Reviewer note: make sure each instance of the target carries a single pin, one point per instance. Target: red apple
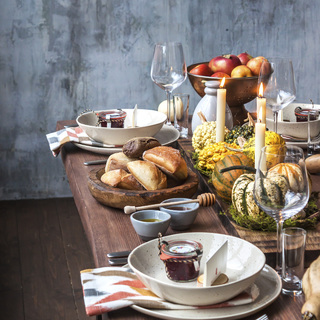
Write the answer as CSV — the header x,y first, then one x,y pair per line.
x,y
241,72
201,70
220,75
225,63
244,57
255,64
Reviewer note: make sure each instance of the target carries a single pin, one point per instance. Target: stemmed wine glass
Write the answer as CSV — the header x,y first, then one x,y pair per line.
x,y
279,195
279,88
169,71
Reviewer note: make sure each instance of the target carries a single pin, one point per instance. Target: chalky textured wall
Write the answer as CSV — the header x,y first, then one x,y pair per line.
x,y
60,57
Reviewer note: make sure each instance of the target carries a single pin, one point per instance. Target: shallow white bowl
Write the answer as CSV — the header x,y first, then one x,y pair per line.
x,y
148,123
244,264
288,125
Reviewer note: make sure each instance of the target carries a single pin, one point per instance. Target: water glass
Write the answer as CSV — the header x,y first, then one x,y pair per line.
x,y
181,105
293,249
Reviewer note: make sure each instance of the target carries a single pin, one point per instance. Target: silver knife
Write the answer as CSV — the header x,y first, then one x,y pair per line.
x,y
89,163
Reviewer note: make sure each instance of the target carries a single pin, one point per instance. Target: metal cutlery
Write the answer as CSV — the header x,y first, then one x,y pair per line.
x,y
118,258
93,162
263,317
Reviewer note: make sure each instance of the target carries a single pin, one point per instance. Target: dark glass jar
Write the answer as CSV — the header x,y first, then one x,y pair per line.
x,y
302,114
181,259
111,118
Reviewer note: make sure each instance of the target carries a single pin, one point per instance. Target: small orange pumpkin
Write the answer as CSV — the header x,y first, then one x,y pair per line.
x,y
223,182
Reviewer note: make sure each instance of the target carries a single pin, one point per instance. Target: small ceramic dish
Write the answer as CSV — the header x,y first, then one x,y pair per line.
x,y
244,264
147,124
148,223
182,215
288,125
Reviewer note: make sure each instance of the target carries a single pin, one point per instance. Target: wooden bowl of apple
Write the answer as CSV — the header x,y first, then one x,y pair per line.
x,y
241,73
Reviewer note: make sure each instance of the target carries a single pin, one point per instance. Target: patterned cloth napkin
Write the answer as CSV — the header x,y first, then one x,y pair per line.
x,y
111,288
74,134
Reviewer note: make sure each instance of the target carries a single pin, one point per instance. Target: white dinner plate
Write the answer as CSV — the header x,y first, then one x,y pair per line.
x,y
268,282
165,136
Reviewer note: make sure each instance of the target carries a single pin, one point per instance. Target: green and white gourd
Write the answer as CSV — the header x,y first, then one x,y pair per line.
x,y
273,189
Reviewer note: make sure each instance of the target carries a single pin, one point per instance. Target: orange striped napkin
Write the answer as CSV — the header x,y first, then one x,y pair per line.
x,y
111,288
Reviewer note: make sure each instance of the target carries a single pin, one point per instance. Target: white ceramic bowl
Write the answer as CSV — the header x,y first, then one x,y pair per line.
x,y
244,264
148,123
288,125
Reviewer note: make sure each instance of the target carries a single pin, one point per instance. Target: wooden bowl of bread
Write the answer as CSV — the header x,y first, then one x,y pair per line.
x,y
144,173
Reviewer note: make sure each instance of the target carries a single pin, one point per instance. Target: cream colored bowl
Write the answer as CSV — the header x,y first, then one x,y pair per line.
x,y
148,123
244,264
288,125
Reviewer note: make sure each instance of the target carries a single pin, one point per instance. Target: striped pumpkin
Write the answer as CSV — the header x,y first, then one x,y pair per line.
x,y
223,182
293,173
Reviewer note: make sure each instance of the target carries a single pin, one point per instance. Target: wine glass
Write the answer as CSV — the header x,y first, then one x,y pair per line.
x,y
169,71
279,194
279,88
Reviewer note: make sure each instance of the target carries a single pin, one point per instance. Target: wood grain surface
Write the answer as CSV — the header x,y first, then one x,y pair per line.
x,y
119,198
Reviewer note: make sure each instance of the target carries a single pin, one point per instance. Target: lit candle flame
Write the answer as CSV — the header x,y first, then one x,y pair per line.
x,y
261,90
222,82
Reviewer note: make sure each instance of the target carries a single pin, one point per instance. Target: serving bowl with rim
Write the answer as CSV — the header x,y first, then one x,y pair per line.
x,y
239,91
288,125
148,123
244,264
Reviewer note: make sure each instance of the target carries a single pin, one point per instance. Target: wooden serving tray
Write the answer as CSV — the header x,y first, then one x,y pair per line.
x,y
119,198
266,241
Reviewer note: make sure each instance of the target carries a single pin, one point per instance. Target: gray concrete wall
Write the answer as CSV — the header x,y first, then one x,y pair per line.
x,y
59,57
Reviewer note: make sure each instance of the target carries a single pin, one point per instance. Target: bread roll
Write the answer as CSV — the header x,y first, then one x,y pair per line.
x,y
117,161
135,147
148,175
121,179
129,182
168,160
113,178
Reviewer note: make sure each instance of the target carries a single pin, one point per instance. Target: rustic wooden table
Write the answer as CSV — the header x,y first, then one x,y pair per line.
x,y
108,229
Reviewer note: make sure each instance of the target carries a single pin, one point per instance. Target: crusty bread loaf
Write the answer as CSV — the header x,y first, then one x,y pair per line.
x,y
117,161
121,179
135,147
148,175
168,160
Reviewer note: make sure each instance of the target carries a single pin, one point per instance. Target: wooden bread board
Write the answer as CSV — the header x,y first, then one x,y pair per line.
x,y
266,241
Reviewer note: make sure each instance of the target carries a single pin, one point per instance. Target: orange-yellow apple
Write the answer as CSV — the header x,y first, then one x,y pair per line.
x,y
220,75
244,57
201,70
255,64
225,63
241,72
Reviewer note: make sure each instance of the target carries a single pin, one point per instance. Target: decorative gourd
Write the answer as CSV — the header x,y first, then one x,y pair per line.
x,y
274,188
223,182
311,289
272,138
242,192
293,173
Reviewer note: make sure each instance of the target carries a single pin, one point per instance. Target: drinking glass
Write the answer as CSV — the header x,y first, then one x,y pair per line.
x,y
168,71
277,76
278,196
